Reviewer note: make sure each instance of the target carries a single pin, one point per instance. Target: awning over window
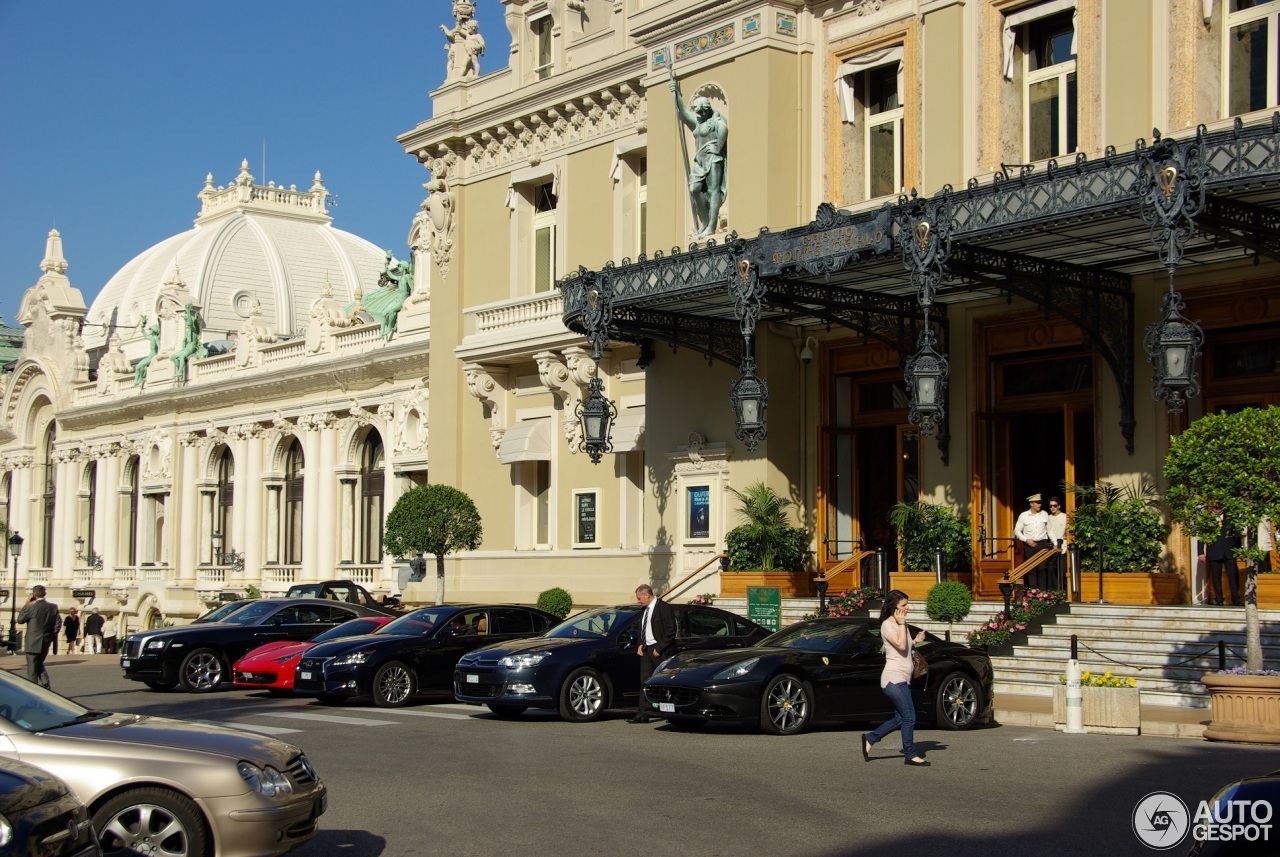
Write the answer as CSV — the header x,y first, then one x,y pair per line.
x,y
527,440
851,68
628,430
1034,13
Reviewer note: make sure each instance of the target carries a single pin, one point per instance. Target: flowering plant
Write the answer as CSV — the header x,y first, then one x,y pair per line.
x,y
704,600
1088,679
850,600
1000,628
1243,671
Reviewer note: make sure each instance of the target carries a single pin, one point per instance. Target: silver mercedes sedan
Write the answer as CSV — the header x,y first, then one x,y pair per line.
x,y
165,787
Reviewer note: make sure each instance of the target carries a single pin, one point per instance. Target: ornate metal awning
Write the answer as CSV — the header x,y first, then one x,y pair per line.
x,y
1067,238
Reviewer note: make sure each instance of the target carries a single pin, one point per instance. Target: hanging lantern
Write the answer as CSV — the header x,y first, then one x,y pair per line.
x,y
926,377
596,414
1173,348
750,398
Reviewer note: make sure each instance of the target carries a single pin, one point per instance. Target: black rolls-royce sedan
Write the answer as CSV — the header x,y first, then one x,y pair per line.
x,y
199,656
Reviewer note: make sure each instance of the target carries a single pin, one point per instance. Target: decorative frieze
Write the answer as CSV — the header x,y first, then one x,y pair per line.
x,y
491,391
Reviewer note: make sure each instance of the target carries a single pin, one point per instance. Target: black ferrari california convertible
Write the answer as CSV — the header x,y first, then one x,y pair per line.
x,y
819,670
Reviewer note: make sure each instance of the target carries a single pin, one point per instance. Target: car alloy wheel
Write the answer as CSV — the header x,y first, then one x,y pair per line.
x,y
786,706
202,671
959,702
582,696
151,821
392,685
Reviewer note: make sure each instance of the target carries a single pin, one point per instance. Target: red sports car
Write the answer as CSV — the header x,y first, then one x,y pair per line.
x,y
272,666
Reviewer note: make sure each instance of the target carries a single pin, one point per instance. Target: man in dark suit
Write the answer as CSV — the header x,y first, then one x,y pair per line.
x,y
657,640
1219,558
41,619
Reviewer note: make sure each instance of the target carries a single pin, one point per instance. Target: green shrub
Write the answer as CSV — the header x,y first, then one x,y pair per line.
x,y
765,540
1125,521
556,601
1000,629
922,528
949,601
251,591
849,602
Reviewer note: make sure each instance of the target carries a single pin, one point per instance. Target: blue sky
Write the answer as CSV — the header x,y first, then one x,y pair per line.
x,y
113,111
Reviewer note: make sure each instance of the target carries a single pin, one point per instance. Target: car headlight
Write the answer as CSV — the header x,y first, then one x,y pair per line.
x,y
154,644
6,831
288,659
523,662
737,670
351,659
267,781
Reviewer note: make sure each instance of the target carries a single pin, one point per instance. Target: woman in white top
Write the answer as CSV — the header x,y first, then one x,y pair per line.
x,y
895,679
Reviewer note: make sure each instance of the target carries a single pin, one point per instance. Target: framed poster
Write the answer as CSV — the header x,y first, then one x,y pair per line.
x,y
699,505
585,504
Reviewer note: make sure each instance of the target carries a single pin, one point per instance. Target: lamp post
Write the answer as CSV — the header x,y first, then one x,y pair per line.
x,y
1173,347
926,377
216,538
596,414
79,543
15,550
750,398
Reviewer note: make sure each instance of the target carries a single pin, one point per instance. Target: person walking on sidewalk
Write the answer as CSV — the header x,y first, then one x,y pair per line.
x,y
71,629
657,639
93,633
895,679
41,619
109,634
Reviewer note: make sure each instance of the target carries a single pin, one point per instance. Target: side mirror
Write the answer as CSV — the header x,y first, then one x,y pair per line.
x,y
448,631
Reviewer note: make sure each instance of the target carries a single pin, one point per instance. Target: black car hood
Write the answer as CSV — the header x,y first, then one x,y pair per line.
x,y
367,643
536,644
23,786
202,631
724,657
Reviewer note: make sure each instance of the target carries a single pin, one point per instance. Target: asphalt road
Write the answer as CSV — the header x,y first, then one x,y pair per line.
x,y
442,778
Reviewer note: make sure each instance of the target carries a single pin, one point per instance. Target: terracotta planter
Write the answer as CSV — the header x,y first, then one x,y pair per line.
x,y
791,584
1107,710
1243,708
1132,587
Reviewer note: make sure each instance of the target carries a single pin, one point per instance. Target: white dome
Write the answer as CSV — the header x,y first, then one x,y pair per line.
x,y
272,244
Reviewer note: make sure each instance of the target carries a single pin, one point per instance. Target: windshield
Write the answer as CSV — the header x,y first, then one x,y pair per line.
x,y
217,614
250,614
354,628
418,623
821,636
597,623
33,708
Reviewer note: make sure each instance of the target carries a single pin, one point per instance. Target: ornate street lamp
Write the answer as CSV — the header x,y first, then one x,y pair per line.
x,y
216,539
1173,347
750,398
926,376
596,414
15,550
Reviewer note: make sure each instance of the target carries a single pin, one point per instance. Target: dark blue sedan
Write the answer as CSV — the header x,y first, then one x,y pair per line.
x,y
588,663
415,654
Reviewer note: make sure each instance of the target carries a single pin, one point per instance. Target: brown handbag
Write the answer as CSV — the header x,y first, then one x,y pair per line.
x,y
919,666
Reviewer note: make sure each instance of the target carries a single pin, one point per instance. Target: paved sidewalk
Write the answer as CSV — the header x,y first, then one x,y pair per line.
x,y
1171,720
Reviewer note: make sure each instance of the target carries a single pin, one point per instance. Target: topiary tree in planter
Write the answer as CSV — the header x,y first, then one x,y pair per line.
x,y
948,601
1229,463
555,601
1123,522
922,528
435,519
765,540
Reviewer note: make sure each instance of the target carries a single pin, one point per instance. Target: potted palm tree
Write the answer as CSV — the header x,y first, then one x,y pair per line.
x,y
921,529
1121,534
1229,464
765,549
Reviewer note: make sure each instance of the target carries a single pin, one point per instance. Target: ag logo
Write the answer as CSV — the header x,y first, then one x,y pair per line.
x,y
1160,820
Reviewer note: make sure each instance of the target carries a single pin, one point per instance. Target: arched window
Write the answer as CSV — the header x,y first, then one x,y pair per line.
x,y
372,490
224,498
291,525
50,483
132,466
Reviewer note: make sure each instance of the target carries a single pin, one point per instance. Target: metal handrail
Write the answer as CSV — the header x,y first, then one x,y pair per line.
x,y
1029,565
690,576
854,561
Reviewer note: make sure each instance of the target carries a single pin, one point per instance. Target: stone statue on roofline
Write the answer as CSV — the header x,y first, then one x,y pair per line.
x,y
152,334
466,45
383,304
191,344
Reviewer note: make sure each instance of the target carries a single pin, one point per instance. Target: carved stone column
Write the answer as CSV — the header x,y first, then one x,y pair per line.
x,y
313,475
242,487
326,542
65,518
272,547
188,502
347,522
251,535
108,511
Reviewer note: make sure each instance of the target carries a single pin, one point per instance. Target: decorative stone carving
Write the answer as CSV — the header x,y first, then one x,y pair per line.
x,y
564,385
484,386
411,426
254,332
437,222
156,461
113,365
465,44
325,317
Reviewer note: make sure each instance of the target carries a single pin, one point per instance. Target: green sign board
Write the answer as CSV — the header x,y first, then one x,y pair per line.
x,y
764,606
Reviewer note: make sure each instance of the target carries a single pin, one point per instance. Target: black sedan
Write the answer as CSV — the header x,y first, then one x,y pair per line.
x,y
820,670
199,657
588,663
415,654
40,815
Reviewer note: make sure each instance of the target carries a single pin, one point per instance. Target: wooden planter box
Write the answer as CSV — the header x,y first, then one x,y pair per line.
x,y
1133,587
1107,710
918,583
1268,590
792,584
1243,708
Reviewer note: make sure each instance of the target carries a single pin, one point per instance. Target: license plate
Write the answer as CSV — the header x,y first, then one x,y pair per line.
x,y
305,676
667,707
124,662
321,804
473,679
